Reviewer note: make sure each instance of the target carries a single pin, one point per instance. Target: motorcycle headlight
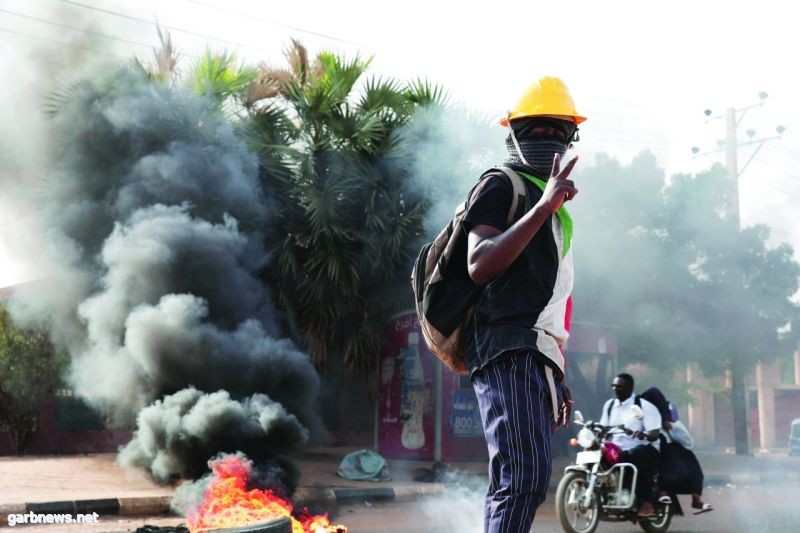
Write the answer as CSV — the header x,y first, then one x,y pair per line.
x,y
586,437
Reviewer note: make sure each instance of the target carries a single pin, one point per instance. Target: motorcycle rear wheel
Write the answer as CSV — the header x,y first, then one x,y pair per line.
x,y
573,518
658,523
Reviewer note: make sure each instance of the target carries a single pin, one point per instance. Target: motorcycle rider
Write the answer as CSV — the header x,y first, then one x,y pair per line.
x,y
640,447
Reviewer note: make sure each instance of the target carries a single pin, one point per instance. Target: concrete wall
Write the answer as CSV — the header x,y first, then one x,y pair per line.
x,y
773,405
49,439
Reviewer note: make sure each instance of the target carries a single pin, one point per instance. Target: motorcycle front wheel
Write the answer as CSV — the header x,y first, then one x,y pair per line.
x,y
574,517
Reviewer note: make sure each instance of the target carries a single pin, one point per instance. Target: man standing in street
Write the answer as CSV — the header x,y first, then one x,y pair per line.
x,y
512,344
640,447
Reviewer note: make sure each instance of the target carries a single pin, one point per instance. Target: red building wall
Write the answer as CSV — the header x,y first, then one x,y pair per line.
x,y
48,439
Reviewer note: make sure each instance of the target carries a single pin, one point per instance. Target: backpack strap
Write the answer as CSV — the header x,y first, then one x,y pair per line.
x,y
519,196
636,401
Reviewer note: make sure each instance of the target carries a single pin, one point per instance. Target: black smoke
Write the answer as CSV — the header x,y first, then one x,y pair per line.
x,y
155,215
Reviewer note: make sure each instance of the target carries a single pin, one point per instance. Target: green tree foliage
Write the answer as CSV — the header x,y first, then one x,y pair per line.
x,y
218,76
669,265
336,166
348,217
30,369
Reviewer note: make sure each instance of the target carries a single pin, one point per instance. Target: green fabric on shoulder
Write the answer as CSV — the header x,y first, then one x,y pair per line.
x,y
562,213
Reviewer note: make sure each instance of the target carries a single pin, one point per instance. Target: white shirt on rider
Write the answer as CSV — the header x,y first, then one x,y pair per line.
x,y
621,413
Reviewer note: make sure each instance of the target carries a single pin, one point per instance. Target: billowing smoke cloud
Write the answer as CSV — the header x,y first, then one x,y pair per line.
x,y
178,435
40,66
155,214
449,150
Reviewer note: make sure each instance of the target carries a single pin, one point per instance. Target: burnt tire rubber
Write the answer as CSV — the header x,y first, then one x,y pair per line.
x,y
659,522
279,525
572,481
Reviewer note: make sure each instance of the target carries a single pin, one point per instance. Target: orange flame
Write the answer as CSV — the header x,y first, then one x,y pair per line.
x,y
227,503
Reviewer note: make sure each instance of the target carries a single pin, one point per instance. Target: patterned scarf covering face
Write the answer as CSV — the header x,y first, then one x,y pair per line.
x,y
537,151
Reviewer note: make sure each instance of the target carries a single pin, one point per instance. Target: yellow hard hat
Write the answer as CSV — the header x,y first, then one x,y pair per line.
x,y
547,97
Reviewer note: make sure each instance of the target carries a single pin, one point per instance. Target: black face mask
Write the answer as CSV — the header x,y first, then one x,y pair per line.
x,y
536,152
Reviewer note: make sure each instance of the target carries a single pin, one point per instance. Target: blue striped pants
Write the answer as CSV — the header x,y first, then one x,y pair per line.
x,y
516,409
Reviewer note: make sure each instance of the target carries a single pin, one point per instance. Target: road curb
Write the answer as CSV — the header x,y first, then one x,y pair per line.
x,y
307,497
410,493
316,496
160,505
144,505
12,508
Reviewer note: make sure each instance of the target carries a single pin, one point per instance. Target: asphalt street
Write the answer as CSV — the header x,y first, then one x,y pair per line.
x,y
739,508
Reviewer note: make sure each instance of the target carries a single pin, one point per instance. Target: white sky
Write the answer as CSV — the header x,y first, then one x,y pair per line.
x,y
642,71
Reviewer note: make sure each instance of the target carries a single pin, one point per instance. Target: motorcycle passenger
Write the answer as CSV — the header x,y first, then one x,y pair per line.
x,y
681,469
644,455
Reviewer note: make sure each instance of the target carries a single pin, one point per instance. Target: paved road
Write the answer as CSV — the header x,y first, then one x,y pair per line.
x,y
754,509
738,509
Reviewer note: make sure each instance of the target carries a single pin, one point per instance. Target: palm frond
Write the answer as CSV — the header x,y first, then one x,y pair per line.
x,y
422,92
218,76
266,83
380,93
339,76
297,57
166,57
57,100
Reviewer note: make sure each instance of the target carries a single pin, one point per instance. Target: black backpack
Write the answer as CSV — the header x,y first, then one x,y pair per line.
x,y
444,293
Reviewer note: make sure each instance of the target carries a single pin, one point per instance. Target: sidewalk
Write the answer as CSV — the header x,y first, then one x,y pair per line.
x,y
95,483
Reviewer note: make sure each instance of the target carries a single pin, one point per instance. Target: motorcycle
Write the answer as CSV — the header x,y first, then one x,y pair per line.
x,y
599,486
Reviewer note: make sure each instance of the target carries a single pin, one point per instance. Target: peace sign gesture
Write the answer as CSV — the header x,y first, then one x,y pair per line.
x,y
559,187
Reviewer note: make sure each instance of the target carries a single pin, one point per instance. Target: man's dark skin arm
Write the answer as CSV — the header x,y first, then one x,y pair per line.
x,y
651,435
491,251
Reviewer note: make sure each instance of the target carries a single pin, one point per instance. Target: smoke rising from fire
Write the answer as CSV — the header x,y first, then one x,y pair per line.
x,y
450,148
178,435
36,66
154,215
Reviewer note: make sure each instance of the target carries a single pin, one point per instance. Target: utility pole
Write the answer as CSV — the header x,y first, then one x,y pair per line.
x,y
739,394
732,163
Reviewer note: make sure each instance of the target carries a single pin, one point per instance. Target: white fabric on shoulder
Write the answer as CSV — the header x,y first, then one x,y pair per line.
x,y
681,435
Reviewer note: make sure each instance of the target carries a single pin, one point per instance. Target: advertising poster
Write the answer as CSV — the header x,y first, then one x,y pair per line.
x,y
406,393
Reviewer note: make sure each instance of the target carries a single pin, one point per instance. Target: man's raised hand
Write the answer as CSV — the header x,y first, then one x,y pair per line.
x,y
559,187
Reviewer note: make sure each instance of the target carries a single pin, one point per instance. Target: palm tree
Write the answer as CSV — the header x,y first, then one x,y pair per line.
x,y
336,171
348,221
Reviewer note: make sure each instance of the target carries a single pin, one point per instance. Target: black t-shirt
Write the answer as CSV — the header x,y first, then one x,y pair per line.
x,y
509,305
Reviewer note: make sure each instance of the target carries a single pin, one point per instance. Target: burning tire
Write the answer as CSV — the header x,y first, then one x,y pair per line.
x,y
280,525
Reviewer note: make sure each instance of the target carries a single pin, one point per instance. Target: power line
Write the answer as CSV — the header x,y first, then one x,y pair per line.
x,y
61,43
618,130
788,151
253,17
628,117
630,141
158,25
792,133
74,28
784,191
772,169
